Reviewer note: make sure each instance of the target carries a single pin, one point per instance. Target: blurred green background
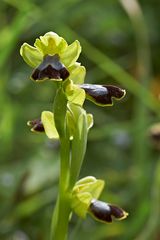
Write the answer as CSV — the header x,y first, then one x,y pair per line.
x,y
120,42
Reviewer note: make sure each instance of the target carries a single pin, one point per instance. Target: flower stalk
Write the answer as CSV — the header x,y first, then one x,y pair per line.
x,y
54,60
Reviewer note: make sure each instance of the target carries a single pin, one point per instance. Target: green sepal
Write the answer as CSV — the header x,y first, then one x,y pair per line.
x,y
83,192
31,55
74,93
90,184
77,73
47,119
71,54
80,203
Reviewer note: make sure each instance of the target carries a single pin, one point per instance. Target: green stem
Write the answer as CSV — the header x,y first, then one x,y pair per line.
x,y
62,210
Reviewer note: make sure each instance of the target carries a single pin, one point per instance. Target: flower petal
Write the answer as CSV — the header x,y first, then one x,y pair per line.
x,y
104,212
71,54
102,94
91,185
47,119
31,55
80,203
51,43
74,93
50,68
77,73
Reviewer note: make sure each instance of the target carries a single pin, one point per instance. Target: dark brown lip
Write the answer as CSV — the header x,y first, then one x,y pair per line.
x,y
102,94
105,212
50,68
36,125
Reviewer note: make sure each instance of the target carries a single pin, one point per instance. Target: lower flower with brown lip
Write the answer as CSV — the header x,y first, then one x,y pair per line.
x,y
103,94
104,212
36,125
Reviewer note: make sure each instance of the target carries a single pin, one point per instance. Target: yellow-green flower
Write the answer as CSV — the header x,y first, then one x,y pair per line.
x,y
84,200
51,57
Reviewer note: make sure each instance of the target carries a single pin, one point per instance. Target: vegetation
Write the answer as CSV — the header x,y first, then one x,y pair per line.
x,y
120,47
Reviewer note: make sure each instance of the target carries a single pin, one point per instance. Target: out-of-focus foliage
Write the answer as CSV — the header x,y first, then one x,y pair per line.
x,y
120,148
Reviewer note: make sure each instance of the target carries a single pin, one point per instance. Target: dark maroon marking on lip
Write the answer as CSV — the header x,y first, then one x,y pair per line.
x,y
36,125
103,211
117,212
50,68
102,94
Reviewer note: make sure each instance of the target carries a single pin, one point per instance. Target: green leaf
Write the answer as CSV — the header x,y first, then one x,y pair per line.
x,y
70,124
60,110
71,54
47,119
31,55
74,112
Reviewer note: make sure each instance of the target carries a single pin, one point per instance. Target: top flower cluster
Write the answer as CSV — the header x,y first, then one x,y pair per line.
x,y
52,58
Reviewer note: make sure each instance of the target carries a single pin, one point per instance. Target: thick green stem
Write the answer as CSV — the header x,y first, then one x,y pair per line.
x,y
61,214
62,210
71,160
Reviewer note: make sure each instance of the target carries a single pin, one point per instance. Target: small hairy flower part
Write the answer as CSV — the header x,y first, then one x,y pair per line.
x,y
105,212
50,68
37,125
102,94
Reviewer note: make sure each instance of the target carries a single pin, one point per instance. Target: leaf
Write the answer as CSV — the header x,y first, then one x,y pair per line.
x,y
60,110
